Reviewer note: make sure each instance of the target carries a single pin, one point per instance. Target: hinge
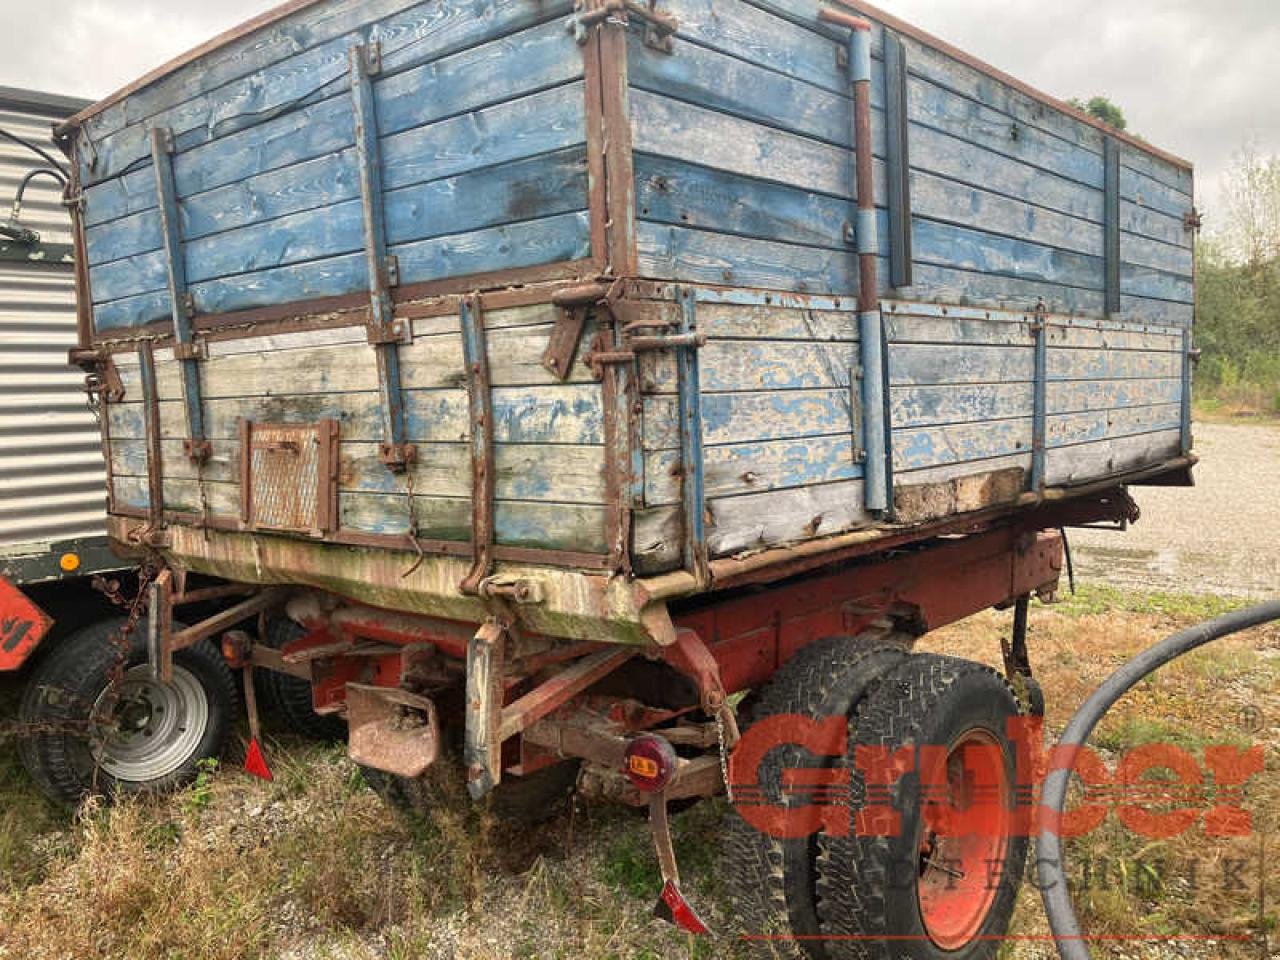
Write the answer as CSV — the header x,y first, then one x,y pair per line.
x,y
1192,221
659,28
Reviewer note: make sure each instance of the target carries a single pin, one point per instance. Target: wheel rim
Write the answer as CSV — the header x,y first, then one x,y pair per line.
x,y
960,873
153,728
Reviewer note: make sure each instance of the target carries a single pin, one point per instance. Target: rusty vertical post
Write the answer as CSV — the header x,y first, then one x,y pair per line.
x,y
483,480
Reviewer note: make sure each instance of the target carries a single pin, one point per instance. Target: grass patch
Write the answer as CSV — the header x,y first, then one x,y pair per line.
x,y
1095,599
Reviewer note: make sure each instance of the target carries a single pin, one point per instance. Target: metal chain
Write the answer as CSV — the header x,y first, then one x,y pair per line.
x,y
413,525
120,642
724,752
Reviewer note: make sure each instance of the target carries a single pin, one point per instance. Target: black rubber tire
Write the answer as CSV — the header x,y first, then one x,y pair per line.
x,y
772,882
61,693
539,797
291,696
866,885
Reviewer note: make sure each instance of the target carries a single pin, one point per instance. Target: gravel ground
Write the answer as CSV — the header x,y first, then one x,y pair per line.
x,y
1220,538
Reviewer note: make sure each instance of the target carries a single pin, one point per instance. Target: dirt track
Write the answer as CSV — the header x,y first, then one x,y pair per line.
x,y
1223,537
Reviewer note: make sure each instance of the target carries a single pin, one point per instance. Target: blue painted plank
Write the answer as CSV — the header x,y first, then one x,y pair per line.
x,y
963,443
670,128
944,245
439,91
1151,224
729,418
1142,281
1146,192
957,159
678,253
940,109
422,33
923,364
677,193
1162,312
949,201
759,37
746,90
967,288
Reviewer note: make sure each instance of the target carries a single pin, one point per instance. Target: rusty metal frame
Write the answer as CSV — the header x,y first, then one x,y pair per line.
x,y
151,420
623,259
384,331
185,348
326,434
475,347
550,696
267,599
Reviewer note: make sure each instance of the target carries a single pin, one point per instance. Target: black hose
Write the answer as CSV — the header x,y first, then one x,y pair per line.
x,y
43,154
1052,869
41,172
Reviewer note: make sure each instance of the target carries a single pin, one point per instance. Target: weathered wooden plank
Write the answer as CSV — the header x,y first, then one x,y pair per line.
x,y
552,473
729,418
1082,337
1112,365
272,86
1153,225
754,467
967,288
948,404
242,56
1156,284
657,537
678,253
675,192
561,526
535,187
959,159
1085,463
904,326
756,36
1146,192
1159,312
1157,254
941,109
972,206
1079,428
747,90
1068,396
1157,169
945,245
960,443
522,415
922,364
729,321
253,161
670,128
760,520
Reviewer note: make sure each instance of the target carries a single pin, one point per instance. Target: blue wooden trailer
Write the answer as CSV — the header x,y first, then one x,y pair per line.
x,y
526,345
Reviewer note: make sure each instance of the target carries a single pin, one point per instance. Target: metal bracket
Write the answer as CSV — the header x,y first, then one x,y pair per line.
x,y
385,333
1192,221
696,558
180,297
195,350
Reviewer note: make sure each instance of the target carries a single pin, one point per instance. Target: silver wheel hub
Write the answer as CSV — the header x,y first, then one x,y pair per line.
x,y
154,728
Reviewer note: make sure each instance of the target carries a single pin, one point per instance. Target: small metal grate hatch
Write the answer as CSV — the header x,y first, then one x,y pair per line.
x,y
289,476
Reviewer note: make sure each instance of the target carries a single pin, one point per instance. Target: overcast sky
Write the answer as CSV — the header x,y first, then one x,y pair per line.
x,y
1197,78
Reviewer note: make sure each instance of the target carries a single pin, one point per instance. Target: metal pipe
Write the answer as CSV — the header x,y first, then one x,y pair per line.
x,y
870,328
1053,873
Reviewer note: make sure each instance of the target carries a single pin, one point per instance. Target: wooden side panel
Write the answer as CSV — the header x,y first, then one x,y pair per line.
x,y
549,433
483,157
744,159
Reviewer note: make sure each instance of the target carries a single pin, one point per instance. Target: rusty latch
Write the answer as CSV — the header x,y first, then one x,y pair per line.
x,y
659,28
198,451
675,341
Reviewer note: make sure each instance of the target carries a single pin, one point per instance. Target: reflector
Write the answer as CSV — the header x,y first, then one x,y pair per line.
x,y
650,763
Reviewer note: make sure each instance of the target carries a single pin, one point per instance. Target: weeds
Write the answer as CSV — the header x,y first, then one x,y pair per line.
x,y
314,866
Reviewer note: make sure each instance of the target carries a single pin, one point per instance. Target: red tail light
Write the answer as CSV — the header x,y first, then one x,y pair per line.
x,y
650,763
